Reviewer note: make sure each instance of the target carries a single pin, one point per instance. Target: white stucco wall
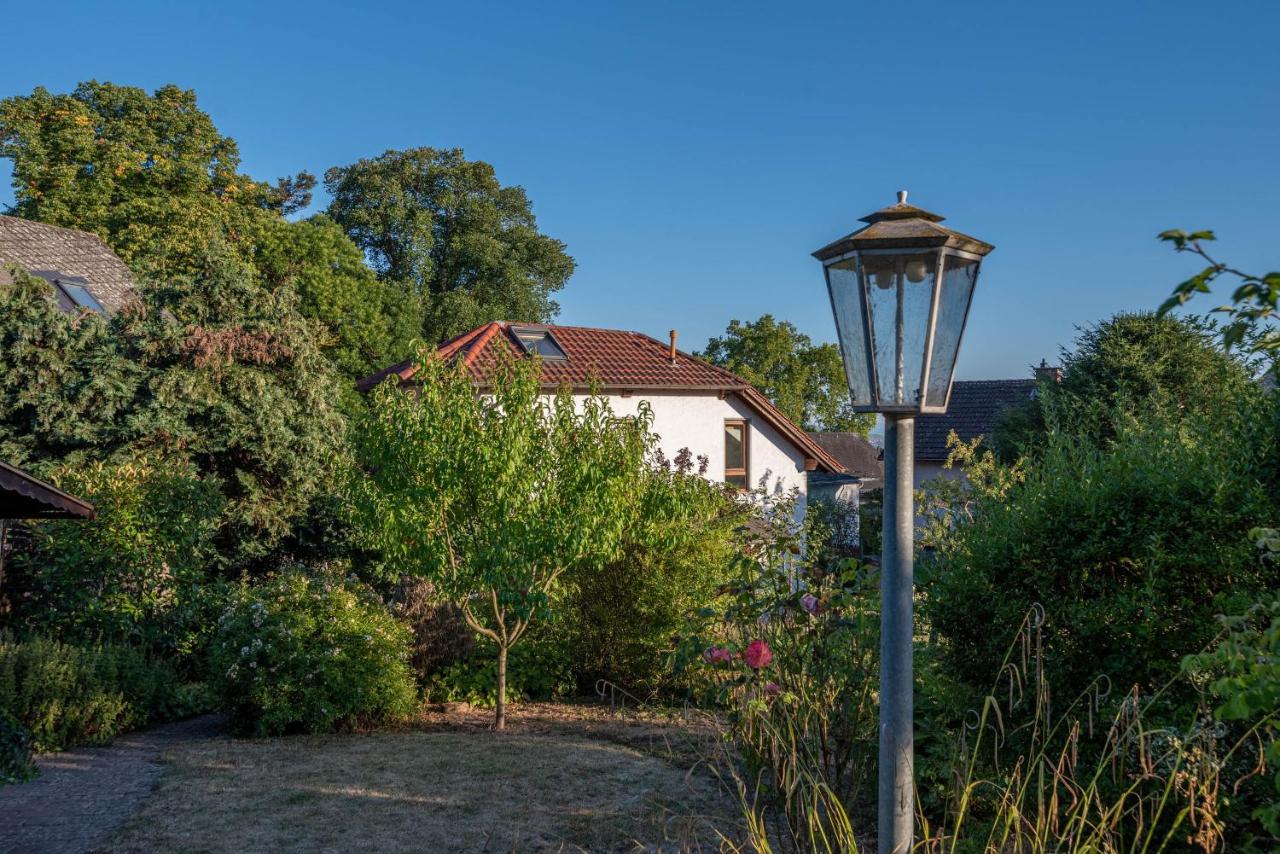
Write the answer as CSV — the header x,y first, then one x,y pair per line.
x,y
695,421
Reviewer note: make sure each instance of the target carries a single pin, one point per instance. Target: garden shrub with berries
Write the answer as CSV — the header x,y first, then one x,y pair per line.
x,y
310,651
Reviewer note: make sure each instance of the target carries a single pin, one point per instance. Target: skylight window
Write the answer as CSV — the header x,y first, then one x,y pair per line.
x,y
80,295
540,342
74,288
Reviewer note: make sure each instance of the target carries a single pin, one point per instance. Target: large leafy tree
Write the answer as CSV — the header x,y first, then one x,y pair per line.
x,y
494,497
151,174
215,367
803,379
444,228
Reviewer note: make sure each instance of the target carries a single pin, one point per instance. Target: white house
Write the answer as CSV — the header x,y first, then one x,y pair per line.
x,y
696,405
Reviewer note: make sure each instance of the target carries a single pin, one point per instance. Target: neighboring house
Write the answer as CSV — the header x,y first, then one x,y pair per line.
x,y
695,405
85,274
974,409
863,463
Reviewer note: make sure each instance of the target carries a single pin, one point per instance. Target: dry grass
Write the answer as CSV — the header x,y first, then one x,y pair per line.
x,y
563,778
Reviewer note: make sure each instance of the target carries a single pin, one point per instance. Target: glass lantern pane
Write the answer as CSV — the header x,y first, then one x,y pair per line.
x,y
901,292
959,275
846,304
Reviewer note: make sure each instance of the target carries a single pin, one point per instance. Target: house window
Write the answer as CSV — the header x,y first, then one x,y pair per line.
x,y
74,288
735,454
80,295
540,342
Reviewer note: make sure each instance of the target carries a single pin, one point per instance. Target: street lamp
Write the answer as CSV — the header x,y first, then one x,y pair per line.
x,y
900,290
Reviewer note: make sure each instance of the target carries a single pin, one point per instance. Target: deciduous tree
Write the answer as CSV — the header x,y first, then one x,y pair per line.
x,y
494,496
443,227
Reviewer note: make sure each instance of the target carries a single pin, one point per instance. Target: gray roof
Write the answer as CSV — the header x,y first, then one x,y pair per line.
x,y
863,460
37,247
973,410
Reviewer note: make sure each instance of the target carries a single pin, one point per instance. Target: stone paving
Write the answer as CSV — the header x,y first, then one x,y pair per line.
x,y
83,796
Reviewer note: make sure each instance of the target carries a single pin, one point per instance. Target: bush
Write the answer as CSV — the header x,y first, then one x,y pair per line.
x,y
310,653
538,670
16,756
135,573
619,619
67,695
440,635
1131,549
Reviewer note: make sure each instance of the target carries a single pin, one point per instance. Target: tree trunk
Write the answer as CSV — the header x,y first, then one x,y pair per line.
x,y
500,709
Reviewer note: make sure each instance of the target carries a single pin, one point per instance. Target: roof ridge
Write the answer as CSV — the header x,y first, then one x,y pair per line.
x,y
67,228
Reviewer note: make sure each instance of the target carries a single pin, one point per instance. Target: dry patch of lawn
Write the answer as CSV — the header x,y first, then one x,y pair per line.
x,y
562,778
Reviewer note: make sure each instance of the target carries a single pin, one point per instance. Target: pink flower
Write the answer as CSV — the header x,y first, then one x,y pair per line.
x,y
758,654
810,603
717,655
772,689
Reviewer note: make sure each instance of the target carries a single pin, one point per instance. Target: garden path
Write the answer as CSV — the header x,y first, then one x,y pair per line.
x,y
83,796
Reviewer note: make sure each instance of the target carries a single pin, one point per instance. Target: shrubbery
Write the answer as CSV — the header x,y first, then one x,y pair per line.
x,y
17,763
137,573
1132,550
66,695
310,652
618,619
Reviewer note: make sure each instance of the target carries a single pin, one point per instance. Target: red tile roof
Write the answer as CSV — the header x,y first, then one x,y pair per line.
x,y
610,360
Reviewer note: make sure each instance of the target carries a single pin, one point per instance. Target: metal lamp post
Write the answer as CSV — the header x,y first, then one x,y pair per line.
x,y
900,290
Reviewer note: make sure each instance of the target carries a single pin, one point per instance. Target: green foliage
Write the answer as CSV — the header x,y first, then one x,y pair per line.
x,y
618,618
445,231
149,173
369,323
216,368
1255,304
1245,669
493,497
134,573
67,387
67,695
310,652
153,176
1130,364
535,671
804,380
792,657
17,761
1131,549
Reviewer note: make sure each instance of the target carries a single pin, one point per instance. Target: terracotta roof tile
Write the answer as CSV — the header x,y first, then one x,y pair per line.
x,y
611,360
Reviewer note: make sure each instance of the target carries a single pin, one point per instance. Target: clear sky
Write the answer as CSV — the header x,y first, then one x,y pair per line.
x,y
693,154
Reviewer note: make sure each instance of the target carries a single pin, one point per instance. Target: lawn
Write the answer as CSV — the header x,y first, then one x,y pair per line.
x,y
562,778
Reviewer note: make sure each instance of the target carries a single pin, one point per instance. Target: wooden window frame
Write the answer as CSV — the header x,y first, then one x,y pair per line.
x,y
745,471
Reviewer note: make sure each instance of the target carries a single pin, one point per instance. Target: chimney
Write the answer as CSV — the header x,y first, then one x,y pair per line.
x,y
673,347
1047,373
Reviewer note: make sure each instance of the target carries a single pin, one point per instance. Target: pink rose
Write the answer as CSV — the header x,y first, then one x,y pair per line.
x,y
758,654
810,603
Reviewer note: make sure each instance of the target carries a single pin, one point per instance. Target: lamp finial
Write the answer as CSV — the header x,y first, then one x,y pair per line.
x,y
902,197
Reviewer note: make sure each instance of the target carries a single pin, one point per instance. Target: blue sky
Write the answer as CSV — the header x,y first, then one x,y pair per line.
x,y
692,155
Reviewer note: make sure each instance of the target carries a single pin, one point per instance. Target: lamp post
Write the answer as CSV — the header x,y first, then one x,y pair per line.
x,y
900,290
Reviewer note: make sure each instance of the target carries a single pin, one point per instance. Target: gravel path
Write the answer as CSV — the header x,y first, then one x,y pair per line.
x,y
83,796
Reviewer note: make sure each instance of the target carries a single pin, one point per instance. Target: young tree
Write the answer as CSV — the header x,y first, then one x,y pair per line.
x,y
493,494
442,227
804,380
